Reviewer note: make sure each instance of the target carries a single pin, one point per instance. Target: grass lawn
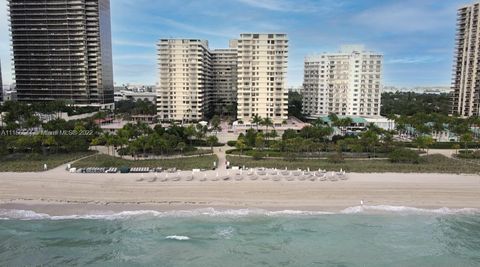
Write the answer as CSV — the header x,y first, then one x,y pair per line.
x,y
101,160
431,164
34,162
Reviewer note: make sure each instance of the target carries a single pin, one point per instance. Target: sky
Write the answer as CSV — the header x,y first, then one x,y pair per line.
x,y
416,37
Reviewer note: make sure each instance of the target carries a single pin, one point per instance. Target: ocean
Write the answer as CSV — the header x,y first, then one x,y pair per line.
x,y
358,236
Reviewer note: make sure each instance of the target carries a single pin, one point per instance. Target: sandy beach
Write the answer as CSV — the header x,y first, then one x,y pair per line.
x,y
62,193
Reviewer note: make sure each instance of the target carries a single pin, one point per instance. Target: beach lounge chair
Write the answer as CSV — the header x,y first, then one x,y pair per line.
x,y
333,177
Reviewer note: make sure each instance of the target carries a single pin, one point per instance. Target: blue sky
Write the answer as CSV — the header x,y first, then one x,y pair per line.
x,y
415,36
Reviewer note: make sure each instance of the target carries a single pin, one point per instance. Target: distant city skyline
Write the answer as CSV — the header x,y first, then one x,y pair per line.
x,y
416,37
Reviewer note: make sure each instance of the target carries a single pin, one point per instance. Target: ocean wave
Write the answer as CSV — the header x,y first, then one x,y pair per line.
x,y
404,209
7,214
178,237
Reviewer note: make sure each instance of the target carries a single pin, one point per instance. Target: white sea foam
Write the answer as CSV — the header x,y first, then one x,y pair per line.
x,y
6,214
178,237
404,209
297,212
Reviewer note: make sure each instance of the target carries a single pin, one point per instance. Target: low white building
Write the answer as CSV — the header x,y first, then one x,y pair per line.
x,y
131,95
382,122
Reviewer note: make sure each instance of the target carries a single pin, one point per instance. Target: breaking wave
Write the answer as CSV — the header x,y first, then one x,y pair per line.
x,y
178,237
7,214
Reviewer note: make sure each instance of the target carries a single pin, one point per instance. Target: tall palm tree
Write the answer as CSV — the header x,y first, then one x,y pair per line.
x,y
342,123
190,131
257,120
333,118
108,139
267,122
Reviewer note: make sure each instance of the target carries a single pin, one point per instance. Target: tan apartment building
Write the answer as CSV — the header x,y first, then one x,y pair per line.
x,y
185,79
262,70
348,82
466,80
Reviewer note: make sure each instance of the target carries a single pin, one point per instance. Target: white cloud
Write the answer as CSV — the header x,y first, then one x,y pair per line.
x,y
292,6
269,4
414,60
193,29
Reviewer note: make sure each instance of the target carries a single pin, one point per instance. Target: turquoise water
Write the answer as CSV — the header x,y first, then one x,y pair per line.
x,y
242,238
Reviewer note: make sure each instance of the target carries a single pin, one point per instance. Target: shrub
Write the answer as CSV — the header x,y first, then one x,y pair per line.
x,y
336,158
403,155
468,154
232,143
257,155
197,142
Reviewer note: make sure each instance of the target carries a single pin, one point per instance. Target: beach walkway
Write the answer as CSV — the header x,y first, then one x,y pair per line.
x,y
222,157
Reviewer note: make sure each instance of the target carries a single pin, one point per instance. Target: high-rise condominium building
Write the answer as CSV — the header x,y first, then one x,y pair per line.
x,y
62,50
224,95
196,83
344,83
466,80
262,69
185,79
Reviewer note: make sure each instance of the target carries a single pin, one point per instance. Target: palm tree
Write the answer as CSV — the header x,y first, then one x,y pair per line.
x,y
257,120
143,143
189,133
215,122
122,138
240,145
344,123
466,138
181,146
267,122
333,118
95,142
108,138
273,134
212,140
318,123
201,131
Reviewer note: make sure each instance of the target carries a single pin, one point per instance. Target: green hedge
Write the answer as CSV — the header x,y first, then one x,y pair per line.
x,y
204,143
468,154
403,155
